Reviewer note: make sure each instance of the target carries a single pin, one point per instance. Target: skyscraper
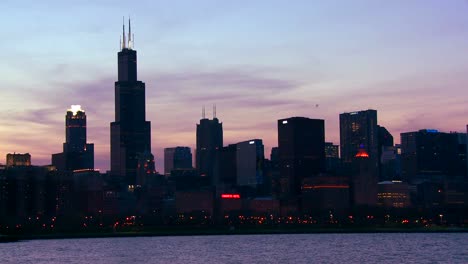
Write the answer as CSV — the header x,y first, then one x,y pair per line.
x,y
209,140
130,133
427,152
249,162
77,154
359,130
301,145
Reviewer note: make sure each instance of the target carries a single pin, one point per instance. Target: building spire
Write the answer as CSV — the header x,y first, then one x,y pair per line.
x,y
203,112
130,43
214,111
124,42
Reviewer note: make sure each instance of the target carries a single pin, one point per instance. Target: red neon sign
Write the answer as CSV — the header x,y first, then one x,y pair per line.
x,y
230,196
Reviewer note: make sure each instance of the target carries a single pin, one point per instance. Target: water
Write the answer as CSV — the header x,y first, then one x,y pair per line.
x,y
303,248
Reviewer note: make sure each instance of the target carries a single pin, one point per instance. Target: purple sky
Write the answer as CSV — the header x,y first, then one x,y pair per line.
x,y
258,61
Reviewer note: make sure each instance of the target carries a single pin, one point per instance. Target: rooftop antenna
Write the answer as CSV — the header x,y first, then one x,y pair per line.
x,y
203,112
214,111
129,33
123,34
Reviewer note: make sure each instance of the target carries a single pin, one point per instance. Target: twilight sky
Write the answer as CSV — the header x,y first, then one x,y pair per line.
x,y
258,61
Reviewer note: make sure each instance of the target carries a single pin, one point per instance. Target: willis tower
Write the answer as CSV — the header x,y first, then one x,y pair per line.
x,y
130,133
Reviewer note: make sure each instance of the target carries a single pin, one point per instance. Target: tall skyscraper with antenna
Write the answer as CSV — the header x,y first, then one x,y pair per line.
x,y
130,132
209,140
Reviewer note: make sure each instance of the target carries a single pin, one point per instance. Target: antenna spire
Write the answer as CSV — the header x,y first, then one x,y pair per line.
x,y
214,111
129,34
203,112
124,42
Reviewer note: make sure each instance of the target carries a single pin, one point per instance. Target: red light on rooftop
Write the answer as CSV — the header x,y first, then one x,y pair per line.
x,y
230,196
362,153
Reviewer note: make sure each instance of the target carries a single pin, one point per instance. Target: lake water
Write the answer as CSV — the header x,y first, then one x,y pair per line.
x,y
302,248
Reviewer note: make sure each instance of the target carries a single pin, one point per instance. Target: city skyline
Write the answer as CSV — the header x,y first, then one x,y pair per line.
x,y
412,71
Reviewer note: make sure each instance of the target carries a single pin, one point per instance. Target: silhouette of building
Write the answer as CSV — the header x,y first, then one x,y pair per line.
x,y
364,180
359,130
77,154
209,140
225,173
429,153
250,159
301,146
17,159
385,138
177,158
394,194
146,168
130,133
332,157
325,193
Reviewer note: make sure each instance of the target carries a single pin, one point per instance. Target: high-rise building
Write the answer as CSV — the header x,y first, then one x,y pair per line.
x,y
77,154
385,138
363,181
301,146
17,159
359,130
177,158
225,172
427,153
209,140
130,132
250,158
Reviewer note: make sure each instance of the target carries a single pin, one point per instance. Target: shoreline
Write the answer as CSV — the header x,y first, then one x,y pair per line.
x,y
216,231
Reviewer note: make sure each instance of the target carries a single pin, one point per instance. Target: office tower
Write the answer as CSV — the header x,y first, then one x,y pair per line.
x,y
364,180
359,130
249,159
385,138
209,140
130,133
429,153
77,154
301,145
225,172
177,158
386,149
17,159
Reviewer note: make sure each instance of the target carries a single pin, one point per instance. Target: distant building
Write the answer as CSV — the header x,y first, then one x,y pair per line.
x,y
17,159
332,157
250,161
145,168
325,193
389,164
385,138
130,133
301,145
77,154
427,153
225,172
209,140
359,130
177,158
363,181
393,194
